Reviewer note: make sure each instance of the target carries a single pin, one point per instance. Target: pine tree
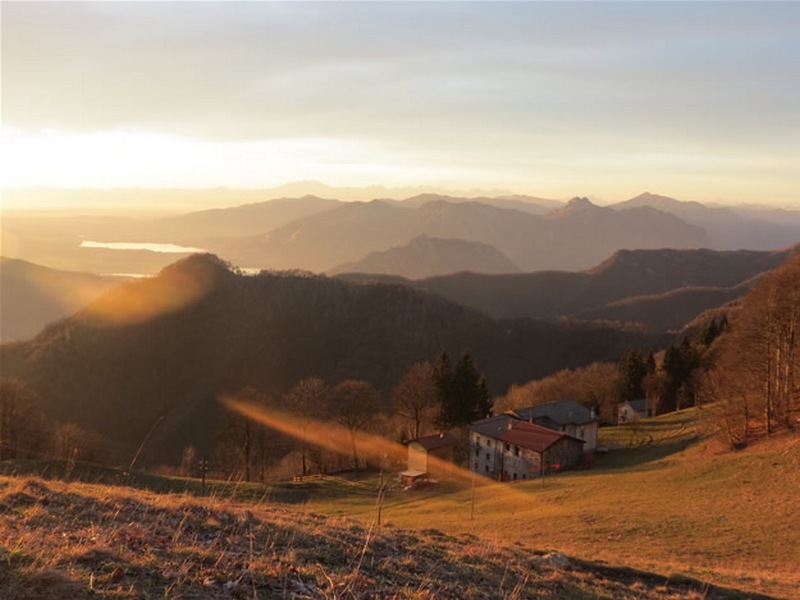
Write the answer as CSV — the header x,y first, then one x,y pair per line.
x,y
634,367
462,391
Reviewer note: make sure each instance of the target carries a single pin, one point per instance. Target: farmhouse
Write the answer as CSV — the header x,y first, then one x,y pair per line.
x,y
631,410
566,416
420,452
507,449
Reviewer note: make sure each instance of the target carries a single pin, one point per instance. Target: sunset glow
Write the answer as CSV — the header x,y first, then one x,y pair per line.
x,y
693,100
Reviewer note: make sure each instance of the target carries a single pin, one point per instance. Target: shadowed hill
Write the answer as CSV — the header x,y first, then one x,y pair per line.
x,y
167,346
426,257
660,289
32,295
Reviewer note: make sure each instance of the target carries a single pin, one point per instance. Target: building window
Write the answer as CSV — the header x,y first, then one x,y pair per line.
x,y
508,447
487,468
516,450
515,476
477,451
487,456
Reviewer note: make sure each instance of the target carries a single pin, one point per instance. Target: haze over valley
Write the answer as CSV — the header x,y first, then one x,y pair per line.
x,y
440,244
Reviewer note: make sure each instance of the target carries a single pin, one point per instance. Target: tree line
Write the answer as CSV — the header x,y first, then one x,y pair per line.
x,y
755,380
669,380
27,432
430,396
743,362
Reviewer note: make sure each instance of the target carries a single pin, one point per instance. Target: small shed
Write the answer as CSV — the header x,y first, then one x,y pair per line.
x,y
632,410
420,451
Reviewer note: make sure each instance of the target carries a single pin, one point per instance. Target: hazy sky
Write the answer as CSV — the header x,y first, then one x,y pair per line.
x,y
699,101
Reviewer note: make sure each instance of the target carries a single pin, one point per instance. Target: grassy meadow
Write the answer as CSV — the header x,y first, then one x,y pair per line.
x,y
668,499
666,513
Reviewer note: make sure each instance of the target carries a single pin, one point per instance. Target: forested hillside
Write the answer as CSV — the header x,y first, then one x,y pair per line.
x,y
755,377
661,289
160,351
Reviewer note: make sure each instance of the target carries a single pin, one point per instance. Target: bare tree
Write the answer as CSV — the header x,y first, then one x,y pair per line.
x,y
309,400
24,430
596,385
757,371
355,403
414,396
240,437
74,443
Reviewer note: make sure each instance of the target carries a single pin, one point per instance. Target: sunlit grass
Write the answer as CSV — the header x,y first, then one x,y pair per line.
x,y
677,504
673,504
76,540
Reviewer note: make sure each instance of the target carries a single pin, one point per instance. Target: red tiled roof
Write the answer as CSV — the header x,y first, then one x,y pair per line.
x,y
530,436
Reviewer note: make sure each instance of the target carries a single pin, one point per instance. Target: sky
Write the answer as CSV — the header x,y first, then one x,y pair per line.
x,y
697,101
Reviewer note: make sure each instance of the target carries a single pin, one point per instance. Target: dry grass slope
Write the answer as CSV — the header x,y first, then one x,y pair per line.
x,y
669,500
74,541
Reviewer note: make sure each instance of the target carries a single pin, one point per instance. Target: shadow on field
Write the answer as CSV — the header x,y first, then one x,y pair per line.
x,y
642,455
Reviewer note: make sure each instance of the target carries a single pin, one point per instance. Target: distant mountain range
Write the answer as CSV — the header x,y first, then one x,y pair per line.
x,y
322,235
728,228
161,350
574,237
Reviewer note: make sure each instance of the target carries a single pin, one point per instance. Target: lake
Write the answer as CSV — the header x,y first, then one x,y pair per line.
x,y
152,247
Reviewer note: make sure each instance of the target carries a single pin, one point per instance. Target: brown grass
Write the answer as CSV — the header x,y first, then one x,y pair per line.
x,y
671,500
75,541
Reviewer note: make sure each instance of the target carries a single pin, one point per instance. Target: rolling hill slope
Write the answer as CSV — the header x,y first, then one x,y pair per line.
x,y
32,296
427,257
668,514
661,289
168,346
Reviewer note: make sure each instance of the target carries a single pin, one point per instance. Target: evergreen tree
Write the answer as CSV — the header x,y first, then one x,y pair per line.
x,y
634,367
462,391
711,331
680,363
